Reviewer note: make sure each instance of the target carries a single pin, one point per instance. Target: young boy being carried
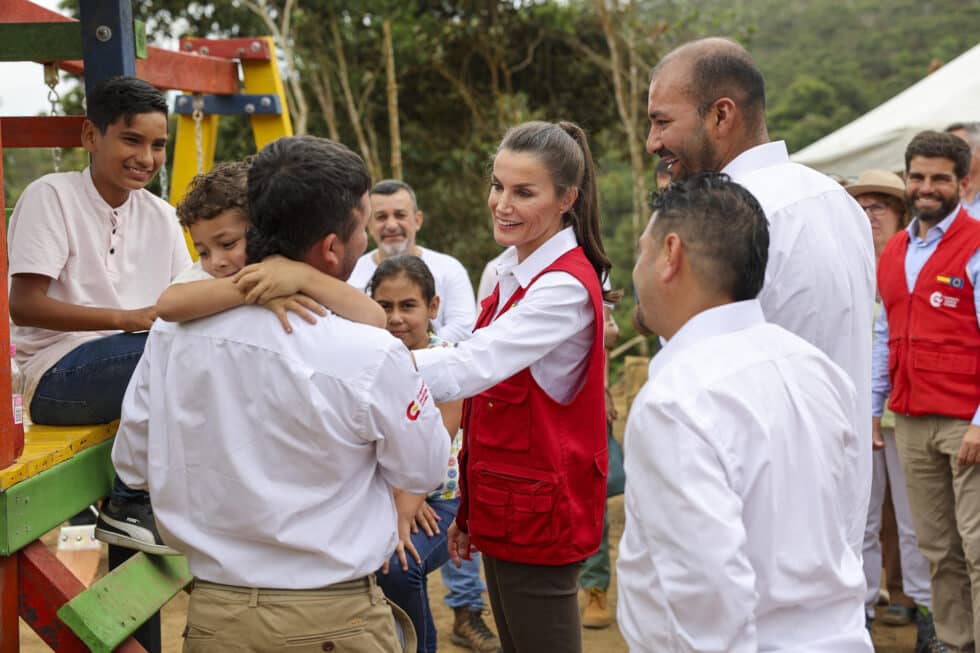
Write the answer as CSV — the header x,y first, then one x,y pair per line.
x,y
215,213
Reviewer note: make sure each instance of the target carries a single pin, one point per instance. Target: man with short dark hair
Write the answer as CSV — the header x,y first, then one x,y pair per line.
x,y
707,113
731,544
271,457
926,361
970,191
394,221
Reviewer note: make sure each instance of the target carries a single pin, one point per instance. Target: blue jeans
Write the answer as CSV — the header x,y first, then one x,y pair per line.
x,y
464,584
87,386
409,590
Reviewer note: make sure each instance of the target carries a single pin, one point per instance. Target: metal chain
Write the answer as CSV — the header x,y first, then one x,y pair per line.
x,y
198,117
164,183
51,78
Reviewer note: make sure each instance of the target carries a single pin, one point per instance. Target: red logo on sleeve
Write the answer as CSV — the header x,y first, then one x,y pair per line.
x,y
415,407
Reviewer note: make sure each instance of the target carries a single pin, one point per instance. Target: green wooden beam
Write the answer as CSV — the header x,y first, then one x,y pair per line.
x,y
40,41
34,506
108,612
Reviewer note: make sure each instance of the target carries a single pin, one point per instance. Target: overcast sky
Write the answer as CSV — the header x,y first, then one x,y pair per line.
x,y
22,89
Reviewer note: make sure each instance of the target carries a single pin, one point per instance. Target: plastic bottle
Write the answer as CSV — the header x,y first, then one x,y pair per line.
x,y
17,382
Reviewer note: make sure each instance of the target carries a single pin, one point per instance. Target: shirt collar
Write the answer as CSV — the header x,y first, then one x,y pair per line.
x,y
719,320
935,231
754,158
98,202
525,271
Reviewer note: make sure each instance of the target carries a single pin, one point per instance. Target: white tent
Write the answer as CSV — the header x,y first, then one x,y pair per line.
x,y
878,138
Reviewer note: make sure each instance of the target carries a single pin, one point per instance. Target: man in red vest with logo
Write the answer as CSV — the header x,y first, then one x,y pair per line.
x,y
926,358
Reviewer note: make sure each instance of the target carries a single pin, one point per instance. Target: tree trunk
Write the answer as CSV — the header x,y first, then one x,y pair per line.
x,y
626,106
352,111
391,91
323,89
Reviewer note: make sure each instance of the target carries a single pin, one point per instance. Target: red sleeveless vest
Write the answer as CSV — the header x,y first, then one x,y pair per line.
x,y
533,471
933,338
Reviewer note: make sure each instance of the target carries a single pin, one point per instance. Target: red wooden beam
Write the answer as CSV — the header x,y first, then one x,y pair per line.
x,y
41,131
45,586
251,49
7,444
9,625
165,69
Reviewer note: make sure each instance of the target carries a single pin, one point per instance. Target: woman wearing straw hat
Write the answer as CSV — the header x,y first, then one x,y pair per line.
x,y
882,196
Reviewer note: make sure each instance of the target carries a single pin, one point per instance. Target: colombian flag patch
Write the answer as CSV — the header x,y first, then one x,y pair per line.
x,y
955,282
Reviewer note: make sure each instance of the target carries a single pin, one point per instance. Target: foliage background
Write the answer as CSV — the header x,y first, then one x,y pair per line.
x,y
467,69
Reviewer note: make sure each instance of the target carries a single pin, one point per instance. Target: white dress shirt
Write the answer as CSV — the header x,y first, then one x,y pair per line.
x,y
549,330
820,279
742,461
270,456
457,308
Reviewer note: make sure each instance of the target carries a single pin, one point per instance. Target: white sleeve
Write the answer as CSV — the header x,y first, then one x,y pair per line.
x,y
692,520
412,443
458,305
193,273
129,452
38,237
555,308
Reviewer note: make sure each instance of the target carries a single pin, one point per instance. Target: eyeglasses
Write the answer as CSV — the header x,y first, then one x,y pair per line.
x,y
875,209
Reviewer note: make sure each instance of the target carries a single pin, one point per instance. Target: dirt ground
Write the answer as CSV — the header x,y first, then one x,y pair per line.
x,y
608,640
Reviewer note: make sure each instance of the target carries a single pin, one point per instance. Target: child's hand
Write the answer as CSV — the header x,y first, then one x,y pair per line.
x,y
139,319
275,276
301,305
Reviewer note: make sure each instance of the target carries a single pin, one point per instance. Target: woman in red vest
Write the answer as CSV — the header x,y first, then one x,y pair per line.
x,y
534,460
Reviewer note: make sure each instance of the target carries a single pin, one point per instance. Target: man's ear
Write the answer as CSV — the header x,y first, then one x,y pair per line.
x,y
723,116
419,219
325,254
90,136
673,252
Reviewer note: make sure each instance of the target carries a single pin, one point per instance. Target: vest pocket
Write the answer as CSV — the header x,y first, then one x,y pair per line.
x,y
515,504
948,362
503,416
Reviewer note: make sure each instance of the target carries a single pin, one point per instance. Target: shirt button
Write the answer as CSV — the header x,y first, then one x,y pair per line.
x,y
113,231
327,646
112,251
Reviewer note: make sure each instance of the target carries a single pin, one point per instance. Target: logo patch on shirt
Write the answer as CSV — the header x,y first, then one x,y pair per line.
x,y
415,406
939,300
955,282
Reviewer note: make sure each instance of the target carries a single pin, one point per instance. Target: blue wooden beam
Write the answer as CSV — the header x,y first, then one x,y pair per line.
x,y
231,105
108,40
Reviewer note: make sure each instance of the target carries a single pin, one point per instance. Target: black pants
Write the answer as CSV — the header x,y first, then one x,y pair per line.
x,y
535,607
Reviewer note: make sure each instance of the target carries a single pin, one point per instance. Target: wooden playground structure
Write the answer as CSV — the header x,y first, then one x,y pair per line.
x,y
64,469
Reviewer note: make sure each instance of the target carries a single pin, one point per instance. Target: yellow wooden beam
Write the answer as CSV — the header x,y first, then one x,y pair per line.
x,y
263,77
185,165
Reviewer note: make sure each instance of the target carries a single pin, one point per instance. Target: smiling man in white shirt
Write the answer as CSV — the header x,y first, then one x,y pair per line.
x,y
395,220
270,457
707,113
741,452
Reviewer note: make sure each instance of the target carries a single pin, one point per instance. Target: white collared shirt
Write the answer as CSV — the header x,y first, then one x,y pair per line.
x,y
94,254
457,308
820,279
742,460
269,456
549,330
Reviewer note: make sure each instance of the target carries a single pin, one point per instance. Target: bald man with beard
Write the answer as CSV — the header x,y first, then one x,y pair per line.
x,y
707,114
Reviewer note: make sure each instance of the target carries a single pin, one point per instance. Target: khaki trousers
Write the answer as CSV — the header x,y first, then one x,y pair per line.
x,y
945,502
352,617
